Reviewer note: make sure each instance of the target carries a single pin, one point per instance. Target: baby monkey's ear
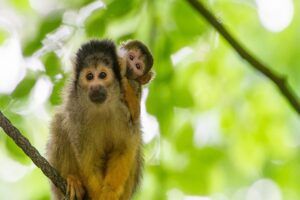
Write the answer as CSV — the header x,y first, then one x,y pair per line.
x,y
146,78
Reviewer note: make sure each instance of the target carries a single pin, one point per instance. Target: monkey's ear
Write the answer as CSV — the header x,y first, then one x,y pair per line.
x,y
146,78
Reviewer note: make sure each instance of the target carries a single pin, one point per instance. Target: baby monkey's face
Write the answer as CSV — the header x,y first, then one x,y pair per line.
x,y
97,82
135,63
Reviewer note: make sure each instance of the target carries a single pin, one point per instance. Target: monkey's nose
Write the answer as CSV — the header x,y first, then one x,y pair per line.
x,y
98,95
129,71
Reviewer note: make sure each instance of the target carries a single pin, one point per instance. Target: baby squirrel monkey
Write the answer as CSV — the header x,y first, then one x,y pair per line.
x,y
136,62
91,143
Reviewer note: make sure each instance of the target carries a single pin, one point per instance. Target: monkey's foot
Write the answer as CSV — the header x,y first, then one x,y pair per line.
x,y
108,194
75,189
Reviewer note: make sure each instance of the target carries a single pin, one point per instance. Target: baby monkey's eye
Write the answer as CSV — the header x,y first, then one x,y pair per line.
x,y
89,76
138,66
131,57
102,75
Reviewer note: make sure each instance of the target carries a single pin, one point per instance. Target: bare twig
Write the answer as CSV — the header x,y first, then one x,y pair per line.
x,y
279,80
33,153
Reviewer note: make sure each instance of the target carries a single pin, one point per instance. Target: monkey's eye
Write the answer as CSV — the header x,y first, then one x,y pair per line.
x,y
102,75
138,66
89,76
131,57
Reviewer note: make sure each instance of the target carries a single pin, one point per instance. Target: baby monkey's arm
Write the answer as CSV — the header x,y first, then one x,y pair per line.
x,y
132,94
131,99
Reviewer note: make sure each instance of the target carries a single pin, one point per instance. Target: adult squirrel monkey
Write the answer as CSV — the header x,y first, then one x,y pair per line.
x,y
92,144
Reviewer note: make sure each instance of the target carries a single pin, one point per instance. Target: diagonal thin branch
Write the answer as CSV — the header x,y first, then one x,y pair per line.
x,y
32,153
279,80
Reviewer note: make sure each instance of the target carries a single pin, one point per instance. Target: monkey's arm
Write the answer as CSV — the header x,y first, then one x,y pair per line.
x,y
131,99
118,171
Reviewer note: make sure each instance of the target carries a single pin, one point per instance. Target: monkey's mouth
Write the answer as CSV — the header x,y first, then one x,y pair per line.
x,y
129,71
98,96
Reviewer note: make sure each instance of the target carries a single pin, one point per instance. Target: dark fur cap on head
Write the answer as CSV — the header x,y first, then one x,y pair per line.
x,y
129,44
97,51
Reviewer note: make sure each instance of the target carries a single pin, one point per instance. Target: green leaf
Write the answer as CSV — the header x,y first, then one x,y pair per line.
x,y
184,137
3,36
98,22
76,4
16,152
52,64
56,96
24,87
182,97
48,24
189,23
95,25
4,101
118,8
21,4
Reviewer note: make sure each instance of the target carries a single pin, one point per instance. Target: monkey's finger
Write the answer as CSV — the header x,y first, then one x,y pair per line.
x,y
79,190
72,193
68,188
79,194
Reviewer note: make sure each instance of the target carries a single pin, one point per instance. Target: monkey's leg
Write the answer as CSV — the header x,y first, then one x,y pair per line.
x,y
92,175
134,177
118,170
93,184
131,100
129,186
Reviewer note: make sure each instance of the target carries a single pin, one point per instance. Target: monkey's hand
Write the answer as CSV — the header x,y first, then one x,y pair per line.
x,y
75,189
146,78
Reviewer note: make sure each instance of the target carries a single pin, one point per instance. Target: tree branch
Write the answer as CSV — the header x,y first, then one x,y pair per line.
x,y
277,79
33,153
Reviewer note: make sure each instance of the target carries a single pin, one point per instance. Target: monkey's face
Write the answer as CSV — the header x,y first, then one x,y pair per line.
x,y
135,63
97,82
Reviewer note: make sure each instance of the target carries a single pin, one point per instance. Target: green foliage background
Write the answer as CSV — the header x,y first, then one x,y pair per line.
x,y
223,126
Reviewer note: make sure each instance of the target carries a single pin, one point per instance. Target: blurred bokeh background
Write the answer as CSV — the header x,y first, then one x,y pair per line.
x,y
214,128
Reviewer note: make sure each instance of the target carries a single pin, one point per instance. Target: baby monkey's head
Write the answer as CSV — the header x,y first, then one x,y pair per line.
x,y
97,71
139,59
